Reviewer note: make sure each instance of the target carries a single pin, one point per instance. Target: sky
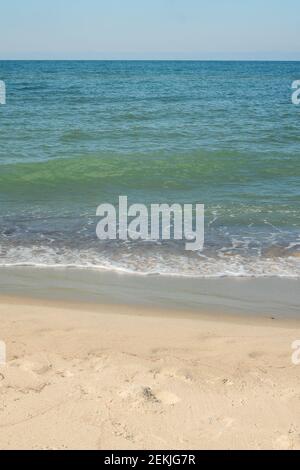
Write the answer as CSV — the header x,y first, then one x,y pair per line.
x,y
150,29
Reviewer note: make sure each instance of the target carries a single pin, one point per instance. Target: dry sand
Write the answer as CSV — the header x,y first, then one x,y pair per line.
x,y
108,377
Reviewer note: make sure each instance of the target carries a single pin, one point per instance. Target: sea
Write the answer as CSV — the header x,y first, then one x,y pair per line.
x,y
77,134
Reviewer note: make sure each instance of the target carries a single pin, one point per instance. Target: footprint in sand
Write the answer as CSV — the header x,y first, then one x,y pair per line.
x,y
256,354
43,369
179,374
161,396
167,398
65,374
149,395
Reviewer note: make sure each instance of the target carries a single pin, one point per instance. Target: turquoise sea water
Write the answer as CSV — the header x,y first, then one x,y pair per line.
x,y
76,134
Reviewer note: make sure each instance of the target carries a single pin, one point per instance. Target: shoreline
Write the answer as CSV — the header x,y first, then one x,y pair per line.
x,y
124,377
146,311
264,297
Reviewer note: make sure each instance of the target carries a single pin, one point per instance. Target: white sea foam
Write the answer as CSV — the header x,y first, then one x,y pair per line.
x,y
202,266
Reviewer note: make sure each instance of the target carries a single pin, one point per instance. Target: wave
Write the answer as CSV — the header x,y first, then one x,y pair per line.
x,y
155,263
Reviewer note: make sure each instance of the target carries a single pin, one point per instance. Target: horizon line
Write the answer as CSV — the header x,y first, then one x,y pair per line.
x,y
142,60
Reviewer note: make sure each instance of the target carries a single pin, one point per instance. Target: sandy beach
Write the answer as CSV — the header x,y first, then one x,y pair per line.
x,y
83,376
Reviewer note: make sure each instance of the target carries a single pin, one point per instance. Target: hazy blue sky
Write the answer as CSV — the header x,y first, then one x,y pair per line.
x,y
181,29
